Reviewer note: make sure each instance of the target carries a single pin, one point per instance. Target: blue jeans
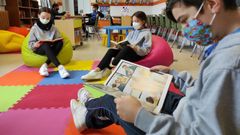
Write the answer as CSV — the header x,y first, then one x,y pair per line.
x,y
102,113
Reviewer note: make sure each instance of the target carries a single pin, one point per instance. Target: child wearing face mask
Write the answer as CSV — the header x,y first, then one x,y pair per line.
x,y
43,30
135,47
92,18
211,104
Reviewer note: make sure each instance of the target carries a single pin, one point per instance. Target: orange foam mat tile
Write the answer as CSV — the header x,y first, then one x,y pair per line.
x,y
111,130
20,78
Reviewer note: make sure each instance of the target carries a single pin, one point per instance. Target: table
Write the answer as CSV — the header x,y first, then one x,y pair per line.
x,y
119,28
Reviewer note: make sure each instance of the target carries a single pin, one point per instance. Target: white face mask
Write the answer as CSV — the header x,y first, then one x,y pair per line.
x,y
44,21
136,25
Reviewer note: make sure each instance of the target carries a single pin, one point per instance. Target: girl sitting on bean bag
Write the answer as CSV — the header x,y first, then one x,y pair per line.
x,y
45,39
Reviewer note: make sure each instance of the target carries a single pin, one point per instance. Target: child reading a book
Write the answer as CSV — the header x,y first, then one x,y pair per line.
x,y
211,105
134,48
46,40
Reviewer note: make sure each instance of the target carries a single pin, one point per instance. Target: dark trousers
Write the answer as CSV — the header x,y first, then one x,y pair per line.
x,y
126,53
104,107
51,50
84,27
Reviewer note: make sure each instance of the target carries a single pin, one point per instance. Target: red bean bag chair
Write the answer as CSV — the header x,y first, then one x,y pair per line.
x,y
161,54
19,30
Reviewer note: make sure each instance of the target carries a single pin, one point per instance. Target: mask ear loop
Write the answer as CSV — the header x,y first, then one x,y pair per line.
x,y
199,10
213,18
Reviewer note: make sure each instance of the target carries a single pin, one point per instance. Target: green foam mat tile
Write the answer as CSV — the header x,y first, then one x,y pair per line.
x,y
10,95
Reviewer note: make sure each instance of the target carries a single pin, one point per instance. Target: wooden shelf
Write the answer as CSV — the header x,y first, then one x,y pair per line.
x,y
35,8
130,4
22,12
26,18
23,7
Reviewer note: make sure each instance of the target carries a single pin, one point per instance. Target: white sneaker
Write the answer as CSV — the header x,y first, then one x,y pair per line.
x,y
84,96
63,72
79,113
43,71
93,75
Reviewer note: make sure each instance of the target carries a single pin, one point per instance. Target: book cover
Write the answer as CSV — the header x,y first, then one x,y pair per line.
x,y
51,41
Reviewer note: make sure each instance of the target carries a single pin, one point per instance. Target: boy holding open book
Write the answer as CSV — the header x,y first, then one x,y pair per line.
x,y
212,104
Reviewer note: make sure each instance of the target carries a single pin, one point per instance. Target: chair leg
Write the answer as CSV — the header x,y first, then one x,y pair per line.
x,y
170,34
164,32
183,44
159,31
175,38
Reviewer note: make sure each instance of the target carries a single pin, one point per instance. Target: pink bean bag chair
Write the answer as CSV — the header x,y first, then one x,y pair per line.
x,y
161,54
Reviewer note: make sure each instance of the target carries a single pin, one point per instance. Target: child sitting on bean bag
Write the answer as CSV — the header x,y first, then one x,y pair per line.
x,y
45,39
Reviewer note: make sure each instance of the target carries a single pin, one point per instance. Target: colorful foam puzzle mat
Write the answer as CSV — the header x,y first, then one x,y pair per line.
x,y
34,105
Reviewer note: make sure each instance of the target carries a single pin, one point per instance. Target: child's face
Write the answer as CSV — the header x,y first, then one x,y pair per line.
x,y
184,14
44,15
137,20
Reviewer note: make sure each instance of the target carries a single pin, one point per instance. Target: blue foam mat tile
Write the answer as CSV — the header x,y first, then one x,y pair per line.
x,y
55,79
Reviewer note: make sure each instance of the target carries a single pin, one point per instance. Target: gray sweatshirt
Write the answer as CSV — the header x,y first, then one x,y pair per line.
x,y
37,34
141,38
212,102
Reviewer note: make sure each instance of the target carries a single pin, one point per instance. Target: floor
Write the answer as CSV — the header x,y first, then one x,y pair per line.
x,y
93,50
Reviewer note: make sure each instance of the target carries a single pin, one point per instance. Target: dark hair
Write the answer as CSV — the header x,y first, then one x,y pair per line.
x,y
95,6
55,5
140,15
44,9
228,4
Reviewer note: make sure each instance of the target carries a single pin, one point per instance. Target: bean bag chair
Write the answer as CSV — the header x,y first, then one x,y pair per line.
x,y
10,42
32,59
19,30
161,54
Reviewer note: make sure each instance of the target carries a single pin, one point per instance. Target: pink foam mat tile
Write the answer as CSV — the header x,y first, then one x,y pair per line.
x,y
34,121
95,64
48,96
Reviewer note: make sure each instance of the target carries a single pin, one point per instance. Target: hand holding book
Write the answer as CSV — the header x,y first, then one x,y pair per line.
x,y
160,68
129,112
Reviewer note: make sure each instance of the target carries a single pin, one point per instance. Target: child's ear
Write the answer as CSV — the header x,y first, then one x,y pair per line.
x,y
214,5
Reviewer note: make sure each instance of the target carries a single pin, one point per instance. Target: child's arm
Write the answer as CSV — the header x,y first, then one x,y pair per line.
x,y
146,46
33,39
57,34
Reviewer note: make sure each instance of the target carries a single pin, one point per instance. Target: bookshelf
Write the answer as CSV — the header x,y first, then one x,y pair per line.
x,y
22,12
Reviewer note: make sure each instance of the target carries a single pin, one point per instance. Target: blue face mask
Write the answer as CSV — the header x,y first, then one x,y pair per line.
x,y
199,32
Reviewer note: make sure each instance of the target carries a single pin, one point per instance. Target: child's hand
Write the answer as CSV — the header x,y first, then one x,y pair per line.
x,y
160,68
37,44
127,108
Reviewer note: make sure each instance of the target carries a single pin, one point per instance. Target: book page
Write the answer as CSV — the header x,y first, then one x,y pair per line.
x,y
138,81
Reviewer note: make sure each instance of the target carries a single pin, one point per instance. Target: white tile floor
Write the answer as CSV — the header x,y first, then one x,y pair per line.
x,y
93,50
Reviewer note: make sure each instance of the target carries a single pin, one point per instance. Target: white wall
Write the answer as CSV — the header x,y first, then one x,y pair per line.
x,y
85,6
158,9
149,10
117,10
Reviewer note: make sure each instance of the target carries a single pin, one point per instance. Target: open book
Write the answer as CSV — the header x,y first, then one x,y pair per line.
x,y
131,79
119,44
51,41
